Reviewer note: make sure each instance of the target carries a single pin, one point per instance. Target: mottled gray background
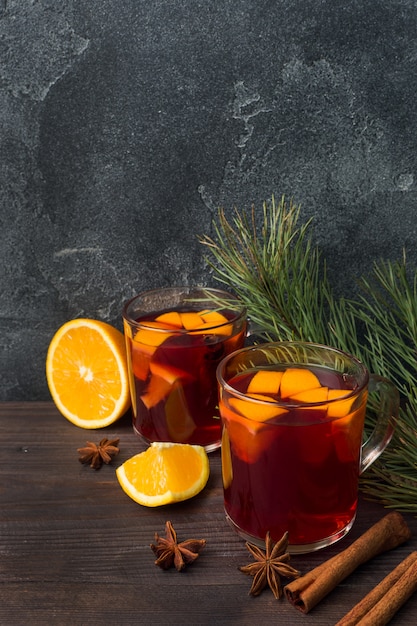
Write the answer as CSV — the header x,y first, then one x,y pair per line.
x,y
125,125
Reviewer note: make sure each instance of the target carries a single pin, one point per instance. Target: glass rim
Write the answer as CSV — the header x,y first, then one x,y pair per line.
x,y
220,293
290,404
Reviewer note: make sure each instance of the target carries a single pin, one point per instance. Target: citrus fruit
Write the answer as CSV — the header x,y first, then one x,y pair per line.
x,y
341,408
257,411
87,375
180,423
227,468
164,473
310,396
265,381
296,379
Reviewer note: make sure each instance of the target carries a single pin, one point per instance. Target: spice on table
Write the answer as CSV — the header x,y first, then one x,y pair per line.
x,y
307,591
269,566
380,605
97,454
169,552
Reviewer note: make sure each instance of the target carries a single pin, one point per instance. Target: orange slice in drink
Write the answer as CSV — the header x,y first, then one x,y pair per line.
x,y
161,382
213,318
217,321
158,388
341,407
191,320
247,424
179,421
265,382
163,379
164,473
227,469
256,411
171,318
87,374
347,435
151,335
347,423
297,379
170,373
247,438
140,361
318,394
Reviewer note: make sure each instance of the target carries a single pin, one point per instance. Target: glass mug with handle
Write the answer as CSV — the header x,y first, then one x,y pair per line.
x,y
292,442
175,338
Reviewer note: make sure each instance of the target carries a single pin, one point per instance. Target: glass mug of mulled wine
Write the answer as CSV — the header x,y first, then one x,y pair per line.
x,y
175,338
292,440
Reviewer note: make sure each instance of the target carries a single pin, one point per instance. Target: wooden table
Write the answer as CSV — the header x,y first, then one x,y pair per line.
x,y
75,549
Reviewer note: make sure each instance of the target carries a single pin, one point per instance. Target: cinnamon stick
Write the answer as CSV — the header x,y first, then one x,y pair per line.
x,y
380,594
386,608
307,591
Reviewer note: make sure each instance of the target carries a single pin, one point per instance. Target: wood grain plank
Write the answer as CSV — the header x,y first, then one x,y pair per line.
x,y
75,549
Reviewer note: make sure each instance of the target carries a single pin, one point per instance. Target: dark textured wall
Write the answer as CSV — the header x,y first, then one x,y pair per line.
x,y
125,125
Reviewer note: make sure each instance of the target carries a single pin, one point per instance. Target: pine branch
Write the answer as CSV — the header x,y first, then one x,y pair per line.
x,y
274,269
279,275
389,312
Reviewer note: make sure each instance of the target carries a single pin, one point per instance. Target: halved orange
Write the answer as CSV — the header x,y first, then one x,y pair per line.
x,y
164,473
87,374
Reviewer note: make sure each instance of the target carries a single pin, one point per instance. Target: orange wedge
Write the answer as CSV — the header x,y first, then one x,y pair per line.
x,y
178,321
257,411
150,338
180,423
156,390
87,374
246,438
191,320
227,468
342,407
164,473
172,318
310,396
218,321
296,379
347,433
265,381
214,318
140,361
168,372
161,382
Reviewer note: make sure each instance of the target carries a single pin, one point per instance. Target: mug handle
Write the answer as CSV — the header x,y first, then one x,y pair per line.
x,y
254,330
389,402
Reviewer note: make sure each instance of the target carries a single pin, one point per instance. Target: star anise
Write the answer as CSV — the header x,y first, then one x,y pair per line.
x,y
269,566
97,454
169,552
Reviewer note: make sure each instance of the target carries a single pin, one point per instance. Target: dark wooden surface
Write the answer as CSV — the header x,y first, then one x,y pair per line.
x,y
75,549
